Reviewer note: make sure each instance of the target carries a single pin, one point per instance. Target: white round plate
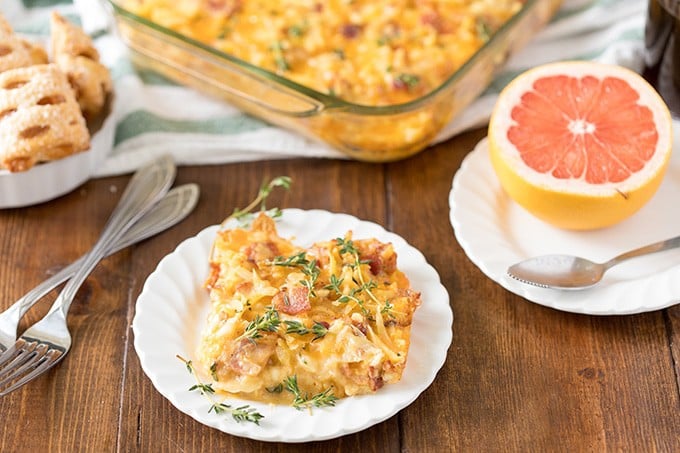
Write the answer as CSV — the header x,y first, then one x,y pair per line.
x,y
49,180
495,233
172,308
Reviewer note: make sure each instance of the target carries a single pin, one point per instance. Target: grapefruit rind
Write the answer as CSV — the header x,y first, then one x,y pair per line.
x,y
574,211
574,203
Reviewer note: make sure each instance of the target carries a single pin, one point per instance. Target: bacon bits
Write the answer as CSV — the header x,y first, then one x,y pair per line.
x,y
381,258
292,301
350,31
260,251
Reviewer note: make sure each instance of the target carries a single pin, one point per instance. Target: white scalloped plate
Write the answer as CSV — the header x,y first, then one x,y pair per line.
x,y
495,233
173,305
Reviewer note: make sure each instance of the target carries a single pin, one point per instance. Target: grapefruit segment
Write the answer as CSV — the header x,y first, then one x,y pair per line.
x,y
580,145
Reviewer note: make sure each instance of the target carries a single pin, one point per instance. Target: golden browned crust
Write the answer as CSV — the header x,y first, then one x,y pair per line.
x,y
39,117
350,291
16,52
5,27
75,54
68,39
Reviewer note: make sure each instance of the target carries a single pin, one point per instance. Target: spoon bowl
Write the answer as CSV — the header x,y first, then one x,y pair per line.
x,y
573,272
558,271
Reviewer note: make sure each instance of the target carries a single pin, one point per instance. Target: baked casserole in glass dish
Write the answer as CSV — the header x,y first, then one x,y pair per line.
x,y
375,79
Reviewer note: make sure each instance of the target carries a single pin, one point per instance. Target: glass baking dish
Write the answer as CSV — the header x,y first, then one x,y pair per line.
x,y
368,133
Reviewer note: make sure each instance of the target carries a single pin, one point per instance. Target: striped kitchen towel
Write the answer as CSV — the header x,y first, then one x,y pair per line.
x,y
155,116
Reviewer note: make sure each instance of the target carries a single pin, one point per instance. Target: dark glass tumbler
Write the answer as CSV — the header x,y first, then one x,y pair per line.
x,y
662,50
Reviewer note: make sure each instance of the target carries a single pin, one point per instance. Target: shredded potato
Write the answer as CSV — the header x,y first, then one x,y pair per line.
x,y
370,52
336,316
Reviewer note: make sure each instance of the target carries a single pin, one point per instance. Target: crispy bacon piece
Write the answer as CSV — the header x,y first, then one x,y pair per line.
x,y
292,301
372,379
350,31
249,357
381,257
399,84
435,20
244,287
404,305
261,251
213,276
359,322
227,7
320,254
375,379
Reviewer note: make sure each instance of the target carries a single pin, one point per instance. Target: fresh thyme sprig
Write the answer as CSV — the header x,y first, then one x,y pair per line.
x,y
307,267
276,389
334,284
279,57
244,215
387,309
318,329
302,401
347,246
366,287
291,261
410,81
312,271
352,296
269,322
323,399
297,30
243,413
483,29
240,414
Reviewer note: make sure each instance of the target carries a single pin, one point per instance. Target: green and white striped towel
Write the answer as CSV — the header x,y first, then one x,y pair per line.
x,y
155,116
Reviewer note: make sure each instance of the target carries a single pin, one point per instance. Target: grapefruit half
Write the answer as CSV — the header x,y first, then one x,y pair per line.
x,y
581,145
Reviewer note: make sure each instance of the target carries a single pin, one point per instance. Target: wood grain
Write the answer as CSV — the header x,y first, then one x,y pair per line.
x,y
518,377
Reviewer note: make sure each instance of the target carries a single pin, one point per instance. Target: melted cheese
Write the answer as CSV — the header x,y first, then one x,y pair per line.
x,y
362,303
370,52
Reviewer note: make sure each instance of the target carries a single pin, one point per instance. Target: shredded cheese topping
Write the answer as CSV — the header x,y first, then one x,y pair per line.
x,y
336,316
371,52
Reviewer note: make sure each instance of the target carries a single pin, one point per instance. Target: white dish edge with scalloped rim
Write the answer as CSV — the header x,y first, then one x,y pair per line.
x,y
495,233
173,305
49,180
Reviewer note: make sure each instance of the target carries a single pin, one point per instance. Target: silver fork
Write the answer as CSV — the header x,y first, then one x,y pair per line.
x,y
47,342
172,208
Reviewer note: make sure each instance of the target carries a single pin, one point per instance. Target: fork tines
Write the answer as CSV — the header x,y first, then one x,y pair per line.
x,y
25,360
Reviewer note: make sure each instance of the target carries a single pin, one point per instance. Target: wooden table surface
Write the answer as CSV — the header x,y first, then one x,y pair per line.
x,y
518,376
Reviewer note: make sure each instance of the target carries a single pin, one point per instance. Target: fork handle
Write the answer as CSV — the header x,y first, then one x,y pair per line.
x,y
645,250
144,190
171,209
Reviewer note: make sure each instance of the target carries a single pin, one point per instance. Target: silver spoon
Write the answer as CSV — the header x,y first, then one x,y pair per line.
x,y
573,272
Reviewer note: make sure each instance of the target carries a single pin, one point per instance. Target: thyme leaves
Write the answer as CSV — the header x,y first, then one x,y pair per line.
x,y
244,216
269,322
306,266
303,400
244,413
318,329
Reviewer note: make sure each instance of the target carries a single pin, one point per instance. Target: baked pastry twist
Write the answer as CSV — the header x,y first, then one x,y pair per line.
x,y
16,52
75,54
40,119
